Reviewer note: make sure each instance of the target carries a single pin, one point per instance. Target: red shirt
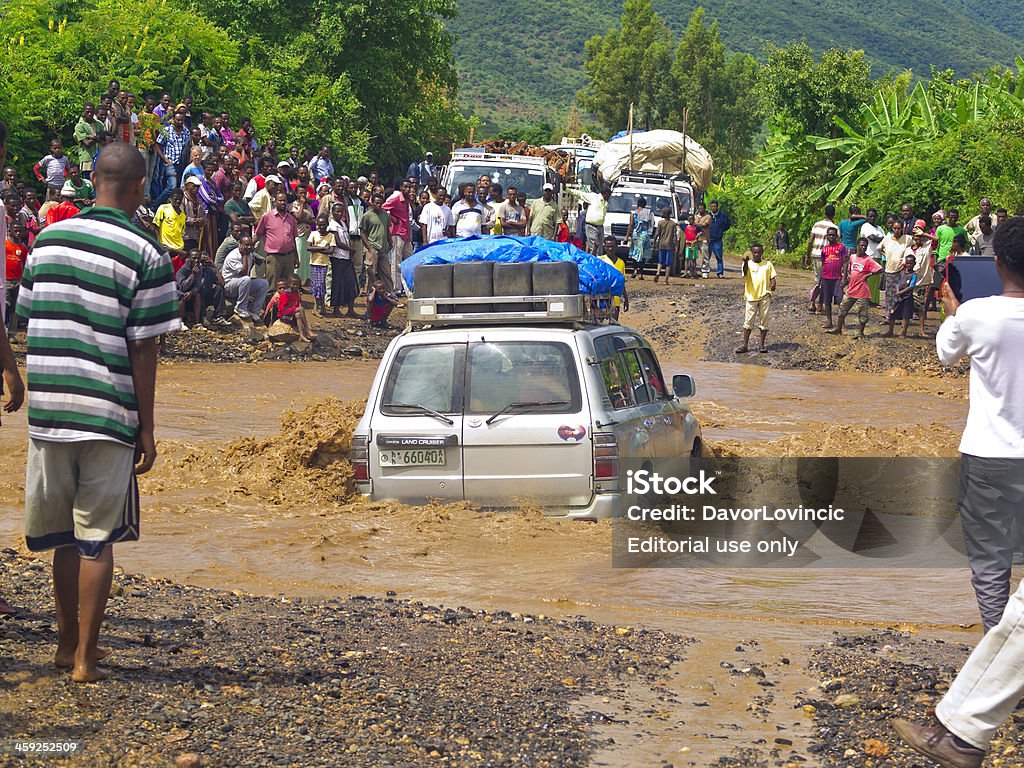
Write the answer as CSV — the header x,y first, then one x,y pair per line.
x,y
286,302
61,211
15,260
177,262
279,232
832,257
861,268
398,208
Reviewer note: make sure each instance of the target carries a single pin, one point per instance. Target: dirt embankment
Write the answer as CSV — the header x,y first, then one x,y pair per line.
x,y
338,338
705,317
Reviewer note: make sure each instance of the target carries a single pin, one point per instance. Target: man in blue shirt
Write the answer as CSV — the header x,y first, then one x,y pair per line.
x,y
321,167
849,229
720,223
422,171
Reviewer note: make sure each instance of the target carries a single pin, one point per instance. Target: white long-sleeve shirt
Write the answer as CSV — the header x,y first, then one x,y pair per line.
x,y
991,332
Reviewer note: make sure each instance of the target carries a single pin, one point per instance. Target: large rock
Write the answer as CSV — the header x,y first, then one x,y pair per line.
x,y
282,333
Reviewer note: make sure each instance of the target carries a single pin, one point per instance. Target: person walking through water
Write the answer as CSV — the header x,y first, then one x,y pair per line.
x,y
991,332
641,222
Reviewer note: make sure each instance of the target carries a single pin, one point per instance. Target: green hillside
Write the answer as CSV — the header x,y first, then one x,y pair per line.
x,y
523,62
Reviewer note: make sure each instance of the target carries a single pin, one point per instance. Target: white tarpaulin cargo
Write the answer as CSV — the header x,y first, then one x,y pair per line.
x,y
658,152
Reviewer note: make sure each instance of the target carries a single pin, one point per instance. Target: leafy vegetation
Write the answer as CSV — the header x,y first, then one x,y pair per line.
x,y
695,82
936,144
523,62
378,86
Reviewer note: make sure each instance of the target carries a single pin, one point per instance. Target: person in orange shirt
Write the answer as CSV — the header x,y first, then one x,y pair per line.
x,y
65,209
17,252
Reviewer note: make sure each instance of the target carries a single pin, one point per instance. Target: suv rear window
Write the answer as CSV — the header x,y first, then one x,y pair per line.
x,y
427,375
502,373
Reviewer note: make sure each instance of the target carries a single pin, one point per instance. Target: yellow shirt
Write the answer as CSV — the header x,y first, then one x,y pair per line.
x,y
317,240
757,282
170,226
620,265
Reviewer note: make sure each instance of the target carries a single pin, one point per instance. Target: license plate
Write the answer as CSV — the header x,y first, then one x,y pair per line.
x,y
413,457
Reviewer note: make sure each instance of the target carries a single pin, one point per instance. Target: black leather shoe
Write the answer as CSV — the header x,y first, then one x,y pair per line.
x,y
938,743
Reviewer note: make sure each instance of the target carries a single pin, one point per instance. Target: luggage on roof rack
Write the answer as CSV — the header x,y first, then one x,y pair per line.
x,y
484,292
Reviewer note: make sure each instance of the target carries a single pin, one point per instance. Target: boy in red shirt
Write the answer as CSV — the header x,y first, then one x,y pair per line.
x,y
379,303
17,252
286,306
690,234
858,293
833,262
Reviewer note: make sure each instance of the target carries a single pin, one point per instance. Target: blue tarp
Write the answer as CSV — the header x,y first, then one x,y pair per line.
x,y
620,134
596,276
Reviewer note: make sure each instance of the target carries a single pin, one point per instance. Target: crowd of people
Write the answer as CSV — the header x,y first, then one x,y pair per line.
x,y
239,219
900,263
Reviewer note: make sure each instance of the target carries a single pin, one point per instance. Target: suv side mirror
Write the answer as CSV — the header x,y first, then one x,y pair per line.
x,y
683,385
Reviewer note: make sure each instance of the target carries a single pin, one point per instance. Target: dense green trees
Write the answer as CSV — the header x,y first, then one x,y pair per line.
x,y
377,83
935,144
642,63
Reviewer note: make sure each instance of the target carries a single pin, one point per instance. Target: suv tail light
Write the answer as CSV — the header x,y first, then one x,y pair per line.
x,y
359,458
606,456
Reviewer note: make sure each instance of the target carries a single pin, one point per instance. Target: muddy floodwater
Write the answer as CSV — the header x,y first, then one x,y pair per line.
x,y
201,527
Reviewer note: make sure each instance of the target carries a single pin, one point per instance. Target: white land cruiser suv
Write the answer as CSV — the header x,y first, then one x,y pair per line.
x,y
518,399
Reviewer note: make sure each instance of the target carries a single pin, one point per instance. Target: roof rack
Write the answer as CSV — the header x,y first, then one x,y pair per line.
x,y
651,178
579,309
481,154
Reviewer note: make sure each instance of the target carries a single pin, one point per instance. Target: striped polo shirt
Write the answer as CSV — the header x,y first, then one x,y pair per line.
x,y
92,283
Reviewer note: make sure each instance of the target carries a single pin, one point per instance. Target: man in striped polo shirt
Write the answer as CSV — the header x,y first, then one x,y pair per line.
x,y
97,293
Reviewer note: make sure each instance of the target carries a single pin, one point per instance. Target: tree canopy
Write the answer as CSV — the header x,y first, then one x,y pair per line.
x,y
376,83
641,63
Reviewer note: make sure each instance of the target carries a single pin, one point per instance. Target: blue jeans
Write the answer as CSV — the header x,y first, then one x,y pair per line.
x,y
716,248
170,176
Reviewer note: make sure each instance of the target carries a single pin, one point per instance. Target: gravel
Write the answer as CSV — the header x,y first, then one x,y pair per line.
x,y
869,680
241,680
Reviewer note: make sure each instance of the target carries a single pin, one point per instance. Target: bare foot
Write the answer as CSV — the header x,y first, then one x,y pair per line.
x,y
887,335
88,674
66,660
742,350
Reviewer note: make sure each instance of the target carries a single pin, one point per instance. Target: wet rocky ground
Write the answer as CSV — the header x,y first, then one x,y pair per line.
x,y
707,316
205,677
703,316
868,680
337,338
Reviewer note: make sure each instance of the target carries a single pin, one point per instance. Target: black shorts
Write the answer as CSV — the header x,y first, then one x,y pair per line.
x,y
831,290
903,309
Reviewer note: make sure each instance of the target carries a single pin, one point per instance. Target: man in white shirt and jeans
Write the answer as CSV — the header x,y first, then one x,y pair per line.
x,y
991,683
